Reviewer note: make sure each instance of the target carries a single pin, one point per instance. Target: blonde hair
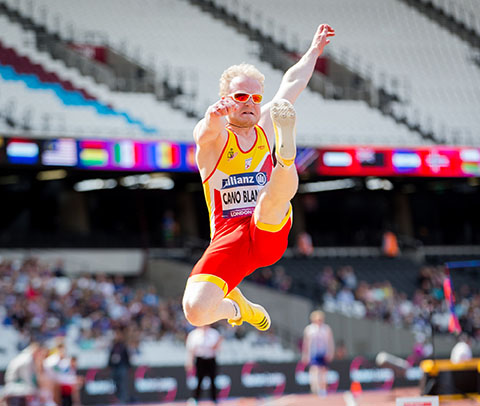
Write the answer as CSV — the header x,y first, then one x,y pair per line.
x,y
244,69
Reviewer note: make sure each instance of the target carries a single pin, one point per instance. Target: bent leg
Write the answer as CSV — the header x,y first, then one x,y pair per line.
x,y
274,199
204,303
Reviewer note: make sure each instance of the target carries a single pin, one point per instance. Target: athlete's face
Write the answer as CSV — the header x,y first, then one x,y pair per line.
x,y
248,113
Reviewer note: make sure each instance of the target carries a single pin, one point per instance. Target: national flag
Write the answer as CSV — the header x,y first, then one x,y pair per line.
x,y
190,158
453,323
61,152
370,158
124,154
22,152
167,155
93,153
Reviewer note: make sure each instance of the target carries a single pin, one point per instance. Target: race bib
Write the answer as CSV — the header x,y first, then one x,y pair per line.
x,y
239,193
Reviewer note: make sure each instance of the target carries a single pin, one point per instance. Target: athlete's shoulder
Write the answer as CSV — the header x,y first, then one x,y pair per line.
x,y
209,154
265,123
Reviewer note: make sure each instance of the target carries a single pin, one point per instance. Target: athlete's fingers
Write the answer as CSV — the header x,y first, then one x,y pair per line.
x,y
223,107
216,109
326,28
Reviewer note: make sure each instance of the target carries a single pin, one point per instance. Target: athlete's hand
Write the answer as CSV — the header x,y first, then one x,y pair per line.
x,y
320,39
223,107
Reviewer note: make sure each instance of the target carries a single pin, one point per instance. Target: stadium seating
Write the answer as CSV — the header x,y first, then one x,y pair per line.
x,y
402,273
161,340
153,34
70,104
394,43
466,12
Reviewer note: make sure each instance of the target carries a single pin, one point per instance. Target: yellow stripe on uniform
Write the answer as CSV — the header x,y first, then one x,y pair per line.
x,y
210,278
273,228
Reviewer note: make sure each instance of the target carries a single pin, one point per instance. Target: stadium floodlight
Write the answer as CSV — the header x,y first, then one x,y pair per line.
x,y
55,174
94,184
148,181
373,183
328,185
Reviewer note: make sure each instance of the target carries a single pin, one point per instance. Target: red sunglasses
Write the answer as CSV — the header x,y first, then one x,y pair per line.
x,y
244,97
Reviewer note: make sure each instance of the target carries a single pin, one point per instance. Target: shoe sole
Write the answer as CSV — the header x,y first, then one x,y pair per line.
x,y
284,117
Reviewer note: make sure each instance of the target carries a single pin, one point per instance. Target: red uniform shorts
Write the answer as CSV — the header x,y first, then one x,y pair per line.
x,y
236,253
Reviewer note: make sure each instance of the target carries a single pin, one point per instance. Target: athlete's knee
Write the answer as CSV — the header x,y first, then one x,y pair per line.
x,y
196,311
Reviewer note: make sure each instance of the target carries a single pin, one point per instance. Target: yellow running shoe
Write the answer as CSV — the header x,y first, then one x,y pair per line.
x,y
283,117
250,312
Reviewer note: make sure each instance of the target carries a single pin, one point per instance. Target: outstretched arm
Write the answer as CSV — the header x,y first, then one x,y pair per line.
x,y
297,77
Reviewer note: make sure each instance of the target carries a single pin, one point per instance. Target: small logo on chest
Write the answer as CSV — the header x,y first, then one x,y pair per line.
x,y
248,162
231,154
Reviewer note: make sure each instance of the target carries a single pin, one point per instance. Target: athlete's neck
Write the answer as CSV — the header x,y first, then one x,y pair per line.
x,y
247,131
238,126
246,136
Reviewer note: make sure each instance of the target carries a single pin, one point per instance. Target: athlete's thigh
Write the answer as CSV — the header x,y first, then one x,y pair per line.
x,y
226,261
269,242
268,210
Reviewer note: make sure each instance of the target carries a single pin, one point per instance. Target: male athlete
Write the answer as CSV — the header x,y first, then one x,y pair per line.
x,y
317,351
247,197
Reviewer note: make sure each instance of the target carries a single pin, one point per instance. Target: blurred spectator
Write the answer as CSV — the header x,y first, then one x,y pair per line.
x,y
304,244
202,345
22,376
318,350
347,277
345,296
70,383
462,350
62,373
340,350
92,305
119,364
281,280
53,366
58,268
326,277
390,244
170,229
41,305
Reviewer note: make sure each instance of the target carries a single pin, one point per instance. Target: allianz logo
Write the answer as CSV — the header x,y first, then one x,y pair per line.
x,y
245,179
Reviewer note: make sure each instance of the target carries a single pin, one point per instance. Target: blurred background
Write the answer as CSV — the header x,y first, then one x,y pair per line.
x,y
102,214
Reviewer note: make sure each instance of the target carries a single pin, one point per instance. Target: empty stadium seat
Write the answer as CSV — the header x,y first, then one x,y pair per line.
x,y
396,43
115,114
179,35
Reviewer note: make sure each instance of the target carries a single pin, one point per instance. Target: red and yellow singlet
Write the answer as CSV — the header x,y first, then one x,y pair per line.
x,y
231,190
239,245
